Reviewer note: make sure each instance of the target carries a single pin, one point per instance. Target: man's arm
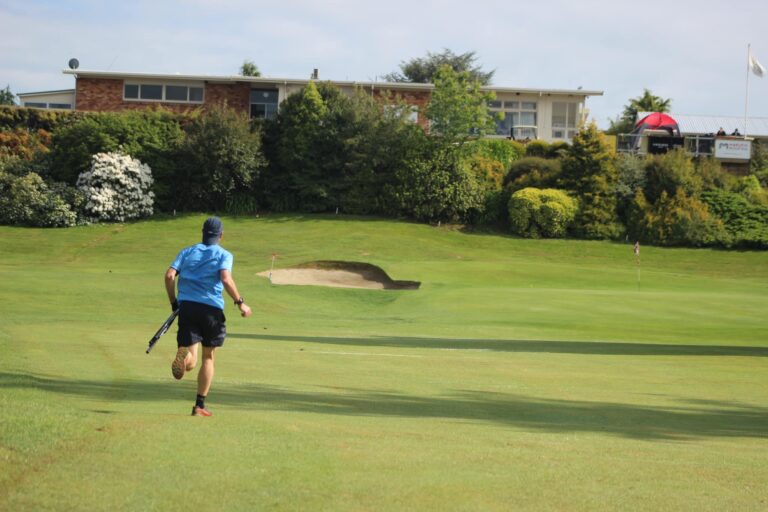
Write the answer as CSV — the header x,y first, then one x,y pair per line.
x,y
170,287
231,287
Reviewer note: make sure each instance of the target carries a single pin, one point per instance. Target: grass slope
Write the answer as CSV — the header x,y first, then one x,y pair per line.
x,y
523,375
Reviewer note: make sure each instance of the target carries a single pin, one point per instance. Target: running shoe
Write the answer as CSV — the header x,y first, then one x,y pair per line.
x,y
178,366
200,411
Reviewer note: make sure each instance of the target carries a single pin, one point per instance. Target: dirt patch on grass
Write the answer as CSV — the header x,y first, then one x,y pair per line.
x,y
339,274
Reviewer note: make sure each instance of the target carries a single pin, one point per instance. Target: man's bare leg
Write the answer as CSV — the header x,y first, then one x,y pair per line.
x,y
191,360
205,375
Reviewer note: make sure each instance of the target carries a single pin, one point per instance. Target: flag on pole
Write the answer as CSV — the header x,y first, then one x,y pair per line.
x,y
756,67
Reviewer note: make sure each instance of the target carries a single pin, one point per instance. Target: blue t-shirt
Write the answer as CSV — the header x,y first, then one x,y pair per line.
x,y
199,268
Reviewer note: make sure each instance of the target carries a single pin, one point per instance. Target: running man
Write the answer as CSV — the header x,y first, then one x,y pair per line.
x,y
204,270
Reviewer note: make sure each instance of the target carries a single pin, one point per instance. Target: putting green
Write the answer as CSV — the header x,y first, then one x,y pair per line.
x,y
521,375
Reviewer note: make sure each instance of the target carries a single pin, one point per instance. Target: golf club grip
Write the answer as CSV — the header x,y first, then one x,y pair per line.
x,y
162,330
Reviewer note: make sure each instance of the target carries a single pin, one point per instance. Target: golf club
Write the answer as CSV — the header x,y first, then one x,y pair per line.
x,y
162,330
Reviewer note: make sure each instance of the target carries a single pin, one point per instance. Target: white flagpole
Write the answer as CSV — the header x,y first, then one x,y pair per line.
x,y
746,97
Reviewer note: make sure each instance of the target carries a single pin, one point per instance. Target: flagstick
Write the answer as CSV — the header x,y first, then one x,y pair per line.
x,y
272,268
746,97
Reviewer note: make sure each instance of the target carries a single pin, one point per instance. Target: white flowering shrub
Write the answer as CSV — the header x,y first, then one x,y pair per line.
x,y
116,188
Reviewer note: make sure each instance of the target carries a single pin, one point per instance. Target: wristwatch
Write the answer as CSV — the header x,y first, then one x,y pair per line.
x,y
239,301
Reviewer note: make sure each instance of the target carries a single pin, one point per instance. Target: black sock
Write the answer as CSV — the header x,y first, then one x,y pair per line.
x,y
200,402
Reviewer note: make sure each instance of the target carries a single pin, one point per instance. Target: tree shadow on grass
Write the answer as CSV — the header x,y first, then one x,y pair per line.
x,y
608,348
690,420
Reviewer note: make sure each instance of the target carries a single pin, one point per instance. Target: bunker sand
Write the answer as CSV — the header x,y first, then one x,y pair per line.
x,y
339,274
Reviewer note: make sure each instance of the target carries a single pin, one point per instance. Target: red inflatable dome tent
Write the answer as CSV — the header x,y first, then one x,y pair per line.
x,y
657,121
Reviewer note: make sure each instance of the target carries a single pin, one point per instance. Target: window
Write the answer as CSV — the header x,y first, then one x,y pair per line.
x,y
176,92
264,103
163,92
151,92
40,104
196,94
564,120
515,118
131,91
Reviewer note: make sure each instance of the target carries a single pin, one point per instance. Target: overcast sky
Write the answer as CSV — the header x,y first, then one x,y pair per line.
x,y
693,52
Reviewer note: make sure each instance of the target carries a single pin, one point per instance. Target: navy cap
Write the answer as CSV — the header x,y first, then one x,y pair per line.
x,y
212,229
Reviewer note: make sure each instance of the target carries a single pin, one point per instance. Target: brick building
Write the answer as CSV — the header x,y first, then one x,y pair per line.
x,y
548,114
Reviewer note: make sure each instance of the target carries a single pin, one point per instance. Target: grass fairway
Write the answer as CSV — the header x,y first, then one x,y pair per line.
x,y
523,375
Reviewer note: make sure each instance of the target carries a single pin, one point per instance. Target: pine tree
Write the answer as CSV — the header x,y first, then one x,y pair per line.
x,y
589,171
7,97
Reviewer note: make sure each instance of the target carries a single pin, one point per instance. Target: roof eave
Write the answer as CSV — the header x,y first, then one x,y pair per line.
x,y
45,93
294,81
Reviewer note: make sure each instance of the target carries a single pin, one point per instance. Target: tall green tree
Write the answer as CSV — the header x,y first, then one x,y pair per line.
x,y
220,160
7,97
458,109
303,150
671,172
424,69
381,142
435,187
589,170
646,102
327,150
249,68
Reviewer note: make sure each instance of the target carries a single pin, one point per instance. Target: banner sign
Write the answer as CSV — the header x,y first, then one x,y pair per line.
x,y
733,149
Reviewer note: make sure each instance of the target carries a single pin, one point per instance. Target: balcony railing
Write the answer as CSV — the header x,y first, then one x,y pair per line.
x,y
700,145
697,145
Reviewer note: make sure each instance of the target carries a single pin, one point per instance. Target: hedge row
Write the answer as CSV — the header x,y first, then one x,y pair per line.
x,y
327,152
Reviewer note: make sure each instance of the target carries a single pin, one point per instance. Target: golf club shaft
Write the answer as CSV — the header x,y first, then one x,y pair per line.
x,y
163,328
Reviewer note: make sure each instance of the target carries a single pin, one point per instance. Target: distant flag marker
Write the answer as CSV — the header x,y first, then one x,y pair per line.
x,y
758,69
273,267
754,65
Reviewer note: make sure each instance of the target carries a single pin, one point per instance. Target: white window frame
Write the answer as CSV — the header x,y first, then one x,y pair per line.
x,y
251,103
164,85
516,107
568,130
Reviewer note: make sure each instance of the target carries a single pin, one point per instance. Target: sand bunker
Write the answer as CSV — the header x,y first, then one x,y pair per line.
x,y
339,274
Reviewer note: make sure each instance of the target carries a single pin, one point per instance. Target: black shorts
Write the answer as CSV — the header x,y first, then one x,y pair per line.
x,y
200,323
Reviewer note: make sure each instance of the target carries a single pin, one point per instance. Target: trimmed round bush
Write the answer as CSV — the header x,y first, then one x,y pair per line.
x,y
116,188
535,213
553,218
